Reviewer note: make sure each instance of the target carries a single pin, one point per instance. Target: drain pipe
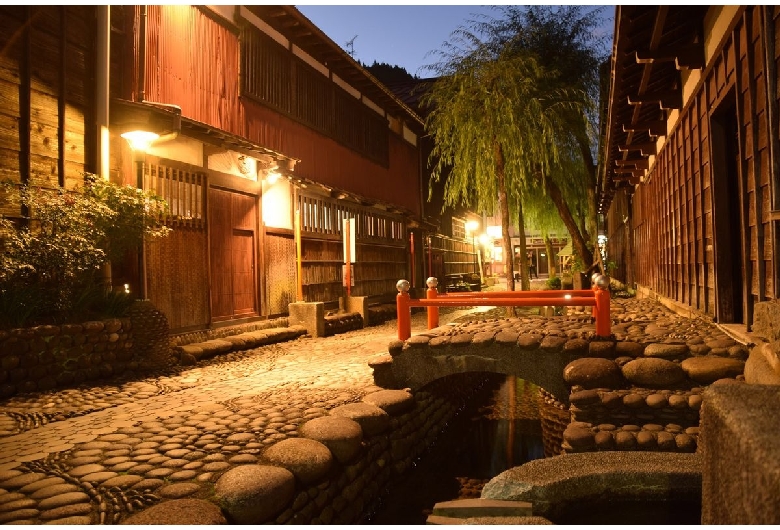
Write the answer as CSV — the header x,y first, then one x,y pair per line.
x,y
102,69
141,88
102,88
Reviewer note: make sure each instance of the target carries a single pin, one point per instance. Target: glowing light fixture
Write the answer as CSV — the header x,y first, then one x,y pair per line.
x,y
272,177
471,226
140,140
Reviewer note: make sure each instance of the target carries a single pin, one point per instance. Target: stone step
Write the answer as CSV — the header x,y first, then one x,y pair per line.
x,y
438,519
505,520
465,508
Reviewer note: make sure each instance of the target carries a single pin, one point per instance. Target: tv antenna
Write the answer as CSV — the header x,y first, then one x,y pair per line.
x,y
350,45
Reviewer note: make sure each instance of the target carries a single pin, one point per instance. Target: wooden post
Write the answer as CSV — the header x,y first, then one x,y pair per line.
x,y
603,322
347,260
433,311
298,258
404,315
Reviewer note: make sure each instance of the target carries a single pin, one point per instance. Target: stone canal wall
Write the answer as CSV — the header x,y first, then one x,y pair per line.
x,y
337,468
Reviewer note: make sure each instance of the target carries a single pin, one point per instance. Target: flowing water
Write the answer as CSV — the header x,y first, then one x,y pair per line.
x,y
497,430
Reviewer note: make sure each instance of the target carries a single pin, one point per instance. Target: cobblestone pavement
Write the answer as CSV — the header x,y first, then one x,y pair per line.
x,y
113,445
96,453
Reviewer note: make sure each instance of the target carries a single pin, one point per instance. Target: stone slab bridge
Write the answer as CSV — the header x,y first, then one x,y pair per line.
x,y
535,349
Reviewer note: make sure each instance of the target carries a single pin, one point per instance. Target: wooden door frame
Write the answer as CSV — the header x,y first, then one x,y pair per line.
x,y
725,252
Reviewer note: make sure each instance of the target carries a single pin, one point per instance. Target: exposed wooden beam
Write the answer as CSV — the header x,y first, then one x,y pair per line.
x,y
690,56
646,148
638,163
635,179
655,127
669,99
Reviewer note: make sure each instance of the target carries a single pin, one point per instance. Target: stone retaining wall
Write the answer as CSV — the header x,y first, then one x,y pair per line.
x,y
47,357
337,467
352,491
555,417
636,406
182,339
342,322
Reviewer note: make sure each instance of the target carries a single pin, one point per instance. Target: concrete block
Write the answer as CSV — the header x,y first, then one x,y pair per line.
x,y
358,304
310,315
465,508
741,457
766,320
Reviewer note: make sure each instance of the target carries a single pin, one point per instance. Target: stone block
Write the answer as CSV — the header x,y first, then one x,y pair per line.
x,y
766,320
310,315
739,424
357,304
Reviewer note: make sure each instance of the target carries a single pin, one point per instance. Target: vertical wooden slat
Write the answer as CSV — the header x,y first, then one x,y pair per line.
x,y
743,111
752,41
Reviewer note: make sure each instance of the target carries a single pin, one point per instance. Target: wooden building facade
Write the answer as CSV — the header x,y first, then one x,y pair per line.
x,y
690,187
264,126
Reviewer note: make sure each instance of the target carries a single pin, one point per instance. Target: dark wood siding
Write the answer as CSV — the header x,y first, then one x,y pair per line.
x,y
680,218
46,95
328,162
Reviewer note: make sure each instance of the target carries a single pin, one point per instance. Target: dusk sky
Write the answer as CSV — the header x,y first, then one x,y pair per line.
x,y
401,35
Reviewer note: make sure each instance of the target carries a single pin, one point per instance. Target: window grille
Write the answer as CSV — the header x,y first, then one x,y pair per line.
x,y
458,228
326,216
273,76
182,190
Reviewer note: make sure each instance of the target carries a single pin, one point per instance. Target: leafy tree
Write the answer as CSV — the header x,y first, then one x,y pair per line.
x,y
568,43
49,265
494,117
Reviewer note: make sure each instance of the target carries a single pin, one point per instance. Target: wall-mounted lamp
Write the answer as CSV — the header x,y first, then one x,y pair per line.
x,y
272,177
140,140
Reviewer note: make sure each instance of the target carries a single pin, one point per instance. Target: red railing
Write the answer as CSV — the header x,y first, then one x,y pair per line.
x,y
598,298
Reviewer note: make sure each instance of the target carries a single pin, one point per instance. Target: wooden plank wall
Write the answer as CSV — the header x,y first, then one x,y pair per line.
x,y
46,95
458,255
381,248
280,273
179,285
177,265
673,217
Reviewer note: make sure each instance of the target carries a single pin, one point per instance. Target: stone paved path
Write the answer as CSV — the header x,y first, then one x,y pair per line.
x,y
97,453
109,446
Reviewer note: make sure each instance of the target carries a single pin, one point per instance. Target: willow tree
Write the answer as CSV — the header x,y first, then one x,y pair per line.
x,y
493,120
571,44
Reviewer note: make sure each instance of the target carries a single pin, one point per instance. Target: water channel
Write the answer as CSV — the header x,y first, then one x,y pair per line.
x,y
497,429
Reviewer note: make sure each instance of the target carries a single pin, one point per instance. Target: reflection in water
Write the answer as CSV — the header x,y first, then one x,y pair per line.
x,y
496,431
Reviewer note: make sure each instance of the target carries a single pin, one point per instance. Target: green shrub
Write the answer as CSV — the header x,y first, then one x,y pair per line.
x,y
50,260
553,283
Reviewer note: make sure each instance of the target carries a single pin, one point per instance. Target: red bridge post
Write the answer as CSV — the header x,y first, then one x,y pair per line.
x,y
603,319
403,310
433,311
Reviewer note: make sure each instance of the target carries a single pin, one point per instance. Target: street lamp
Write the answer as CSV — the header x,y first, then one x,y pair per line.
x,y
471,226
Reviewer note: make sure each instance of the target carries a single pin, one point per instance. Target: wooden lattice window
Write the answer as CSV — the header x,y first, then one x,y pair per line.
x,y
326,216
183,190
266,70
273,76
